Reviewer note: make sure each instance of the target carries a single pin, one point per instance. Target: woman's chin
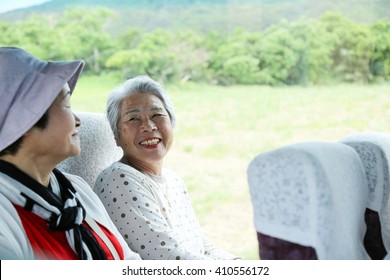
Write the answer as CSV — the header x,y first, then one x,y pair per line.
x,y
75,152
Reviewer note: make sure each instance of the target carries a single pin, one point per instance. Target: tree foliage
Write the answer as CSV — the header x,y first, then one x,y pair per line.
x,y
331,49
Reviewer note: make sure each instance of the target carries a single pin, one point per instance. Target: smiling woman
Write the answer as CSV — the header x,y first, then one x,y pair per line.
x,y
148,203
144,112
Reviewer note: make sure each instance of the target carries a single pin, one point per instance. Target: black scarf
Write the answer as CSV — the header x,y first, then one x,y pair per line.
x,y
64,215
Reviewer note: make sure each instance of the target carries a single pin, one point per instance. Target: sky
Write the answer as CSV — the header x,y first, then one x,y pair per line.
x,y
8,5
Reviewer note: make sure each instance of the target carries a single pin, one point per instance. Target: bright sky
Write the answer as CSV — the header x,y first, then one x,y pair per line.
x,y
7,5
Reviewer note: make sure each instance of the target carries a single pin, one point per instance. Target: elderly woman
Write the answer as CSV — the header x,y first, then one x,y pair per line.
x,y
148,203
46,214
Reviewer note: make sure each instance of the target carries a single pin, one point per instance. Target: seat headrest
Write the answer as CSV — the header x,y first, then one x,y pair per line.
x,y
373,149
313,194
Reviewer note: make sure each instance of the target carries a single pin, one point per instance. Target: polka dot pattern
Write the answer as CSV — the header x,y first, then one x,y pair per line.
x,y
154,215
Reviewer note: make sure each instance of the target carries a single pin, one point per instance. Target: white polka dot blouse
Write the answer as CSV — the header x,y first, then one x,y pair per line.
x,y
154,214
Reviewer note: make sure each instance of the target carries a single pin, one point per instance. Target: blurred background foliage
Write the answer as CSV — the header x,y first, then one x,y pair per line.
x,y
327,48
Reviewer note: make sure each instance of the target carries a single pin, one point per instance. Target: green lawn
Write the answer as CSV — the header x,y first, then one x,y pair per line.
x,y
221,129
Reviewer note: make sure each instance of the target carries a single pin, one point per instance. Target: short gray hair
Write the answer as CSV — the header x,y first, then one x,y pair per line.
x,y
139,84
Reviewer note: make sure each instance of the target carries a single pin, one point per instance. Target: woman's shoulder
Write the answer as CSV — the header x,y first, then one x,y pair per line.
x,y
121,171
174,179
169,173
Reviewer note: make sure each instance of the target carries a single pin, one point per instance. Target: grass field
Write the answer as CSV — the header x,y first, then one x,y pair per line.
x,y
221,129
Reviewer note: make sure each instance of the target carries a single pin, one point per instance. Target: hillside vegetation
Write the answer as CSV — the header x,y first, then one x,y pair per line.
x,y
225,42
328,50
252,15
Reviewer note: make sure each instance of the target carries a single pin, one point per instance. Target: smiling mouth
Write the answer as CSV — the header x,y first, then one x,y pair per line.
x,y
150,142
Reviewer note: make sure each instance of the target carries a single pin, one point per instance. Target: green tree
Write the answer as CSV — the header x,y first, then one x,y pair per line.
x,y
149,54
232,58
277,57
191,57
28,34
380,55
242,69
351,45
81,35
129,62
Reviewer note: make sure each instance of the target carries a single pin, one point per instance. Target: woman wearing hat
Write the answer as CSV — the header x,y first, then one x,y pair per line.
x,y
46,214
148,203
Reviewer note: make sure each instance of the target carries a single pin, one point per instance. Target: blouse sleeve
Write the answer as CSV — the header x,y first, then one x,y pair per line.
x,y
217,253
136,212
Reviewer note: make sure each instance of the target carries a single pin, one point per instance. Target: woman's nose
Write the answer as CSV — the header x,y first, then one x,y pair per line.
x,y
148,125
77,119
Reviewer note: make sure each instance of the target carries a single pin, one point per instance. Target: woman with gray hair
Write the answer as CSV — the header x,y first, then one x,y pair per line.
x,y
46,214
149,204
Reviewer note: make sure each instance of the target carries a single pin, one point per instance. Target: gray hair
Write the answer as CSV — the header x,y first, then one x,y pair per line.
x,y
139,84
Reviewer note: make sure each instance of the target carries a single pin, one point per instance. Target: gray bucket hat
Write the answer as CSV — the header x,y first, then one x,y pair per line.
x,y
28,86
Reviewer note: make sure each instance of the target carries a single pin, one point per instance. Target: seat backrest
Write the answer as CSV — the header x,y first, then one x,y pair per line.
x,y
98,148
313,195
374,151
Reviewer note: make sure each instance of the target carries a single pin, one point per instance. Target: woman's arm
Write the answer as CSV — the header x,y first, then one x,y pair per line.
x,y
217,253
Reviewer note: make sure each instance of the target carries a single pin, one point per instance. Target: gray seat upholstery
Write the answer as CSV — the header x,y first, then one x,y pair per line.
x,y
309,196
98,148
374,151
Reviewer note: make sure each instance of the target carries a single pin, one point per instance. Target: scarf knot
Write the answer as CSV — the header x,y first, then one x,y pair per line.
x,y
68,219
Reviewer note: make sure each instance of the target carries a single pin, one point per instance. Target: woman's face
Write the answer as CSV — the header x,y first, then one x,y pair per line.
x,y
145,130
60,138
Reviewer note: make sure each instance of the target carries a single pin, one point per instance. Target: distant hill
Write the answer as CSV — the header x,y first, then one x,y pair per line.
x,y
213,14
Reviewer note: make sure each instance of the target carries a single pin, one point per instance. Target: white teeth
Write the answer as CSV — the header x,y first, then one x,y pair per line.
x,y
150,142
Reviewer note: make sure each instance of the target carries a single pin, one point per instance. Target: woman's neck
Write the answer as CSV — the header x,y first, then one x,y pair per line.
x,y
35,167
153,169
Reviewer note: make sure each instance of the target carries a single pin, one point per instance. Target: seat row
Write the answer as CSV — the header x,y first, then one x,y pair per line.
x,y
323,200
